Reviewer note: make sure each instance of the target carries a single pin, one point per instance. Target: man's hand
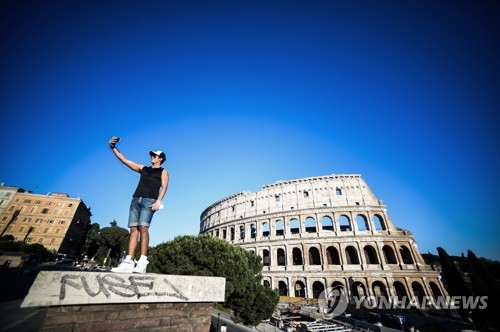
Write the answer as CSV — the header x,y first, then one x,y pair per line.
x,y
156,206
113,141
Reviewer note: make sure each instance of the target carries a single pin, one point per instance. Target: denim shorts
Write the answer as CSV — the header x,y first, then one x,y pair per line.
x,y
140,213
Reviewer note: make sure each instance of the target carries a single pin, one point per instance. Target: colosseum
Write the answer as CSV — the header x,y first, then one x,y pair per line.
x,y
324,231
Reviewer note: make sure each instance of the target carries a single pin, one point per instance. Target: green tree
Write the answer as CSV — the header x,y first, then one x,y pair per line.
x,y
205,255
482,271
111,239
484,284
452,275
90,246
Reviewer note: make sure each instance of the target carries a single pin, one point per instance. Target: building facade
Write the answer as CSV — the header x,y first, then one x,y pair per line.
x,y
320,232
56,221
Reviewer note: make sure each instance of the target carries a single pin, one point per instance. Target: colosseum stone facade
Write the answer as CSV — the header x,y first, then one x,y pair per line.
x,y
324,231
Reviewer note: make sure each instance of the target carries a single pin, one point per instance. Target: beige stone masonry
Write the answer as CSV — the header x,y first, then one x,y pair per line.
x,y
61,288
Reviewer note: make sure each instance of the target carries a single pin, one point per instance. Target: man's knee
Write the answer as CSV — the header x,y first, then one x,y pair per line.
x,y
143,229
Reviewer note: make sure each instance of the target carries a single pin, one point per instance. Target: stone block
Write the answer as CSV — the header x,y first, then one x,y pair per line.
x,y
61,288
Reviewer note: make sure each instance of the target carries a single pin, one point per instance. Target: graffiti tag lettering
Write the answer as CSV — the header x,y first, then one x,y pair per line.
x,y
108,284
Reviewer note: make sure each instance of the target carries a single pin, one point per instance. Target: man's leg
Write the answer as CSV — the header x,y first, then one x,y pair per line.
x,y
144,230
143,262
128,265
132,241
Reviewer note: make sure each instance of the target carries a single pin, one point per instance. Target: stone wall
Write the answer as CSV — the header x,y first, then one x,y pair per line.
x,y
101,301
179,317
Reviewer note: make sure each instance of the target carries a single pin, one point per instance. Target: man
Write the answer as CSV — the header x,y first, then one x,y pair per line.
x,y
147,199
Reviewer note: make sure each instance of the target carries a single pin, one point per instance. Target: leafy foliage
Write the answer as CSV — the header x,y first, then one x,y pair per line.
x,y
8,244
205,255
112,239
90,246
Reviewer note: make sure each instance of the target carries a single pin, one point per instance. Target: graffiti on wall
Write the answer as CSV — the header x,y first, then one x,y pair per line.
x,y
108,284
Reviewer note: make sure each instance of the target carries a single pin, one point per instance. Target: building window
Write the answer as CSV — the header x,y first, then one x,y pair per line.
x,y
26,220
45,211
38,221
45,231
61,222
21,229
27,200
12,208
50,221
70,204
306,194
338,191
278,198
33,209
37,202
48,202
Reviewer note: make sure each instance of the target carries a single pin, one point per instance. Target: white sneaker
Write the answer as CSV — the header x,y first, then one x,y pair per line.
x,y
140,266
127,266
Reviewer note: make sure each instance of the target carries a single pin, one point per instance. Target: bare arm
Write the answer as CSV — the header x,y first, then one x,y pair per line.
x,y
131,164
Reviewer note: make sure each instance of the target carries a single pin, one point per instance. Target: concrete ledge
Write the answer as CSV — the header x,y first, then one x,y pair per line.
x,y
60,288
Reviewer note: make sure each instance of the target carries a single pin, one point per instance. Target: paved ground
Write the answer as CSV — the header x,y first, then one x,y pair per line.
x,y
16,283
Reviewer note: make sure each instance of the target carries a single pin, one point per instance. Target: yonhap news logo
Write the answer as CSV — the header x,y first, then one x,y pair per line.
x,y
334,301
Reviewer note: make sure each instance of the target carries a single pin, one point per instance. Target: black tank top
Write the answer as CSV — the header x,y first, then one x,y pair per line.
x,y
149,183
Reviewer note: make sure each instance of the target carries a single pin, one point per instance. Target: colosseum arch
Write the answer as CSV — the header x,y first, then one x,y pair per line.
x,y
351,255
401,293
390,257
405,254
370,255
327,223
345,223
310,225
378,221
253,231
281,257
333,202
379,289
362,223
317,288
266,257
418,291
297,256
265,229
358,289
332,256
282,288
242,232
339,286
280,227
436,292
294,226
300,289
314,256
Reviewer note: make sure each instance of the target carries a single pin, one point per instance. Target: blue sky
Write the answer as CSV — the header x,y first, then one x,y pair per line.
x,y
245,93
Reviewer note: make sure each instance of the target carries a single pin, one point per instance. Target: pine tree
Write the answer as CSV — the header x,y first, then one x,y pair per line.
x,y
205,255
